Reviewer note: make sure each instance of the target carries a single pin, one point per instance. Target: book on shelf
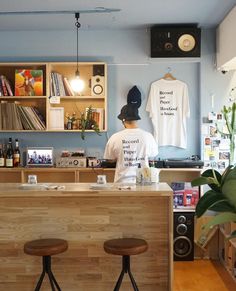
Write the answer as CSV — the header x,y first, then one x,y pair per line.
x,y
28,82
3,114
69,90
10,118
55,85
60,86
8,86
25,118
1,89
98,116
39,116
31,119
3,86
13,116
34,121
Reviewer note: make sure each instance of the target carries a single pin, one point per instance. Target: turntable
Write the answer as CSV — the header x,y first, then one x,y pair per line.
x,y
192,162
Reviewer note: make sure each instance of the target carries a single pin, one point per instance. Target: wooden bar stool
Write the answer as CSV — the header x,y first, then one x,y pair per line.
x,y
125,247
46,248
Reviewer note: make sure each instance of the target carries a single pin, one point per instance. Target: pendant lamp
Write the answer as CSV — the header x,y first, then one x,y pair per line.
x,y
77,84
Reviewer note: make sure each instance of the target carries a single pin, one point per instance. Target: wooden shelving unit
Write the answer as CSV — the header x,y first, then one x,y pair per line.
x,y
89,73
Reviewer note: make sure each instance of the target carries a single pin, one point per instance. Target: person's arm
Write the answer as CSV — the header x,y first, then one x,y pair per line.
x,y
153,147
109,152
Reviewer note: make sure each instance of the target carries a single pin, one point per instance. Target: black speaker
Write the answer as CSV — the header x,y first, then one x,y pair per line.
x,y
98,70
183,236
168,41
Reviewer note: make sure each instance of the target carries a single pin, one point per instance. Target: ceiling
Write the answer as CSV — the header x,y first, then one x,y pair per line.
x,y
132,14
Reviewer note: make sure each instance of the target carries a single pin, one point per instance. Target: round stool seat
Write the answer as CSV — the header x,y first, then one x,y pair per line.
x,y
125,246
45,247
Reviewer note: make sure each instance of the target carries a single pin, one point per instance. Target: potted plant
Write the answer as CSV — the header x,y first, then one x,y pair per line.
x,y
87,122
221,197
71,120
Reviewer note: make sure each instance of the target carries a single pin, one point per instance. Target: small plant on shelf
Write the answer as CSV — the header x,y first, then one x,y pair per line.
x,y
87,122
71,121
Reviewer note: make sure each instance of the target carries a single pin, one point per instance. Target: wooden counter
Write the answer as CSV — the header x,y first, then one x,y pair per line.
x,y
86,218
87,175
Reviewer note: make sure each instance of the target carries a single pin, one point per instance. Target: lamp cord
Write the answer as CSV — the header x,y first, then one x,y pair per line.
x,y
77,24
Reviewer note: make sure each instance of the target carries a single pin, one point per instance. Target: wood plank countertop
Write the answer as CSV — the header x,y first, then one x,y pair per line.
x,y
86,218
82,189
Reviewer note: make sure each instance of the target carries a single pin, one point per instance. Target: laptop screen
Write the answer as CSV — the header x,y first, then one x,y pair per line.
x,y
39,157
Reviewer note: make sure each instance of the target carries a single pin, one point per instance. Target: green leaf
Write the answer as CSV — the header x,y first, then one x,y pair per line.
x,y
210,177
207,201
231,175
212,173
202,181
225,174
229,191
220,219
222,206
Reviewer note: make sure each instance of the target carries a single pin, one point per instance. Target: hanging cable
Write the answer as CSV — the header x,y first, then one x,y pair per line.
x,y
77,24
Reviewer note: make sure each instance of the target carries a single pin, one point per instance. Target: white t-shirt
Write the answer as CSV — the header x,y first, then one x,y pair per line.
x,y
168,107
130,147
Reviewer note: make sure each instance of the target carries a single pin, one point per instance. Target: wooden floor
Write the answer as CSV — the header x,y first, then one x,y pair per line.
x,y
202,275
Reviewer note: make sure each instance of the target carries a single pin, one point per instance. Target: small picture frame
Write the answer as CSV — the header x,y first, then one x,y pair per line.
x,y
219,116
56,118
207,141
213,130
212,115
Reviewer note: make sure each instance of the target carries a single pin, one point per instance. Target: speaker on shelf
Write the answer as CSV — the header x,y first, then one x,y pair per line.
x,y
98,70
169,41
183,236
97,85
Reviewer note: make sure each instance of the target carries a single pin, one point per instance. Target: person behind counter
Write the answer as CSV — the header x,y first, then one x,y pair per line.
x,y
131,146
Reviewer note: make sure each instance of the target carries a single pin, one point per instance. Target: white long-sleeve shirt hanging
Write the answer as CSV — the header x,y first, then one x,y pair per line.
x,y
168,107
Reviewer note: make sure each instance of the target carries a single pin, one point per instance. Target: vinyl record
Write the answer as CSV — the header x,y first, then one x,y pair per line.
x,y
186,42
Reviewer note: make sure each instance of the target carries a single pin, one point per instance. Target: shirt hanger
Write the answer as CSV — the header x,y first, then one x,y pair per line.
x,y
168,75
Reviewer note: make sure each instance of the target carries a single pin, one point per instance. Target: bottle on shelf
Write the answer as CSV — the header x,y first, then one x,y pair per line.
x,y
16,154
9,154
2,157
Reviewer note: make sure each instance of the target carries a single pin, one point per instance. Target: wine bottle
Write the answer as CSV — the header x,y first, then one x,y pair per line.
x,y
2,157
9,154
16,155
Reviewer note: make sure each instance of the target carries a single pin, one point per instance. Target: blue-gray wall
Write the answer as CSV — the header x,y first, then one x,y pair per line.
x,y
127,55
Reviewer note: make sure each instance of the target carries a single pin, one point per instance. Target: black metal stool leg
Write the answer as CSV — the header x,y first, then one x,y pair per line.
x,y
118,283
125,262
37,288
125,269
126,265
47,269
133,281
55,282
51,281
47,262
